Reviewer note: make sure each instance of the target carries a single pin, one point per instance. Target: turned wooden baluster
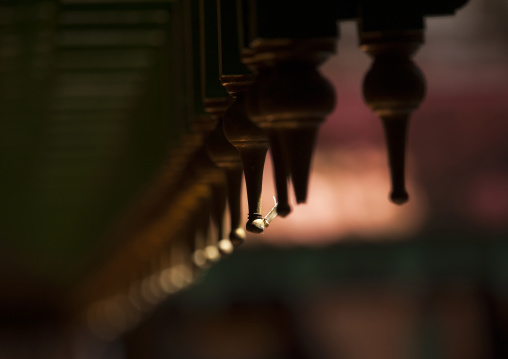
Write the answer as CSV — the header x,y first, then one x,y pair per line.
x,y
210,178
291,101
279,165
215,177
197,200
290,98
224,155
251,142
219,198
394,87
217,183
202,222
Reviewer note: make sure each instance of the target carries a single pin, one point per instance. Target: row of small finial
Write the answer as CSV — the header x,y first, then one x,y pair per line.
x,y
282,106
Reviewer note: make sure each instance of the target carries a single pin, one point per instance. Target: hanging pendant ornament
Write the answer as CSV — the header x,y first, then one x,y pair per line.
x,y
225,156
219,197
279,165
207,176
252,144
393,88
290,100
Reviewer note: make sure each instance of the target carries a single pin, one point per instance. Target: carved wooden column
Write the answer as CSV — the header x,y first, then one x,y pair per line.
x,y
391,33
252,144
224,155
394,86
210,101
290,100
280,168
250,141
207,177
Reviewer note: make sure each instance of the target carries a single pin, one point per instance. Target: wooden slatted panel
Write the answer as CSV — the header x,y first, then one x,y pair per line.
x,y
86,93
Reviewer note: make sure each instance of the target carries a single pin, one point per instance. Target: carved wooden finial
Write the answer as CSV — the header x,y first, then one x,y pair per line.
x,y
394,87
251,142
206,176
202,217
219,197
290,101
224,155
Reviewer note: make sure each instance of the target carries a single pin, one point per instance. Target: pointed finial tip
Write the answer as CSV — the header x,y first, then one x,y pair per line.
x,y
283,209
225,246
237,237
300,192
255,225
300,200
399,197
